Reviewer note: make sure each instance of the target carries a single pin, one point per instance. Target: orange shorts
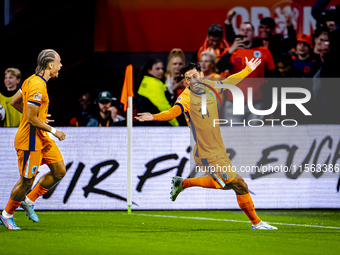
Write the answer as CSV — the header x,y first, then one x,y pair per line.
x,y
218,167
29,161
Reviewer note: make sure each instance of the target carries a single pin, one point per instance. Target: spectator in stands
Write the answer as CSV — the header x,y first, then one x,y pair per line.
x,y
151,92
320,37
234,60
12,80
106,115
214,43
304,58
326,17
327,41
286,68
84,111
276,43
173,78
208,65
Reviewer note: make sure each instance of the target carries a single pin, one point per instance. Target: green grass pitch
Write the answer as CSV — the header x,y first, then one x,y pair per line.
x,y
173,232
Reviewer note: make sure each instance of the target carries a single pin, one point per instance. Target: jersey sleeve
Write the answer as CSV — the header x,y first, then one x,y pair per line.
x,y
182,105
183,101
168,115
36,93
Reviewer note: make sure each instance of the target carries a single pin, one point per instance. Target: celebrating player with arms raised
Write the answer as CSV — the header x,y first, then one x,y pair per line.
x,y
209,150
33,144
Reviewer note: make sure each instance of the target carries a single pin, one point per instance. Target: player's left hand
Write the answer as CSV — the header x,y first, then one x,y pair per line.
x,y
47,120
253,63
145,116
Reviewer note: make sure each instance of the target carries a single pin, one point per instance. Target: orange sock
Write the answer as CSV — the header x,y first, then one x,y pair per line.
x,y
204,181
37,192
11,206
246,204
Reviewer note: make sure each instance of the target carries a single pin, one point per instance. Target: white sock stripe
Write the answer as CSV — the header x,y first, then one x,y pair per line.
x,y
6,215
28,201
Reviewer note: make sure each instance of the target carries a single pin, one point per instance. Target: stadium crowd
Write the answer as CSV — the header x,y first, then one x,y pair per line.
x,y
297,60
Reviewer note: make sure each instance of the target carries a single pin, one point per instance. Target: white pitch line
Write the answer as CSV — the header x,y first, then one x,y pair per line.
x,y
240,221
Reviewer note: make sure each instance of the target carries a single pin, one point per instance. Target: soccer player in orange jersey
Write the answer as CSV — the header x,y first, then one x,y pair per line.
x,y
33,144
209,149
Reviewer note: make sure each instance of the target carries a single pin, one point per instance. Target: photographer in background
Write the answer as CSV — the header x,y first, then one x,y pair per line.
x,y
107,114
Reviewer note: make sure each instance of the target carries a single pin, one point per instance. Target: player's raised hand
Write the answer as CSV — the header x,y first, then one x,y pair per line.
x,y
253,63
60,135
145,116
48,120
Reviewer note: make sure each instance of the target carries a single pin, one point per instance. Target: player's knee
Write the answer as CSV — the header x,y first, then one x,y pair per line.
x,y
60,173
27,183
240,186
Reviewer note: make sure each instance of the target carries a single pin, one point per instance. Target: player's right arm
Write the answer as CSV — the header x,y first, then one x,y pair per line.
x,y
16,101
167,115
182,105
32,118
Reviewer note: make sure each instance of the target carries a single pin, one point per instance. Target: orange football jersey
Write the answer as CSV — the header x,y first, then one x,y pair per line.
x,y
28,137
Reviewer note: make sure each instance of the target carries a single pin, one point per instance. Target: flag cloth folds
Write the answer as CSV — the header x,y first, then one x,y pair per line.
x,y
127,90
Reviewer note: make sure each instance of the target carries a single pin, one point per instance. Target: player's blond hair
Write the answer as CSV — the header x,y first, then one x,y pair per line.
x,y
13,71
212,57
44,58
176,52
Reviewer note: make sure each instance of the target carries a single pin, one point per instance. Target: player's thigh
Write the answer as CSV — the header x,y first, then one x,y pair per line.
x,y
51,154
29,162
53,159
219,165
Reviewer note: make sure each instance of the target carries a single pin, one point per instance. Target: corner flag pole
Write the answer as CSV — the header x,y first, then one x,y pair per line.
x,y
126,99
129,156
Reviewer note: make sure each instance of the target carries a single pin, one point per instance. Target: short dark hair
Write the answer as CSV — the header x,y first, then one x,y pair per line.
x,y
215,30
248,23
189,67
268,21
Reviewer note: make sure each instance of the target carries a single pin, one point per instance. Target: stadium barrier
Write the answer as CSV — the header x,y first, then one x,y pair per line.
x,y
96,161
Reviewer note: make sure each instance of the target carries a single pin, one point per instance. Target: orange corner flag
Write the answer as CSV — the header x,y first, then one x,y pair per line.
x,y
127,90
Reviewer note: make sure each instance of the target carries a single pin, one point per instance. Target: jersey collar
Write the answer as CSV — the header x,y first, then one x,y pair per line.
x,y
196,93
41,77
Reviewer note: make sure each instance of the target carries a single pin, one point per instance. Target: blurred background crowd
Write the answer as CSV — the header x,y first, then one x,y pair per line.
x,y
88,90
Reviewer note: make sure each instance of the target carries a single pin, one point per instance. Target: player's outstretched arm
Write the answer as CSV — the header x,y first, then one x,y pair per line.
x,y
145,116
32,118
16,101
168,115
237,77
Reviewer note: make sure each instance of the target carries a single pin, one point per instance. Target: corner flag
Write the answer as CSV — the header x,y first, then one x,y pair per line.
x,y
127,90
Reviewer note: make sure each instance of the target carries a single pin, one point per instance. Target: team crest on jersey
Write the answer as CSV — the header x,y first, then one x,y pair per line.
x,y
257,54
34,169
37,96
179,99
